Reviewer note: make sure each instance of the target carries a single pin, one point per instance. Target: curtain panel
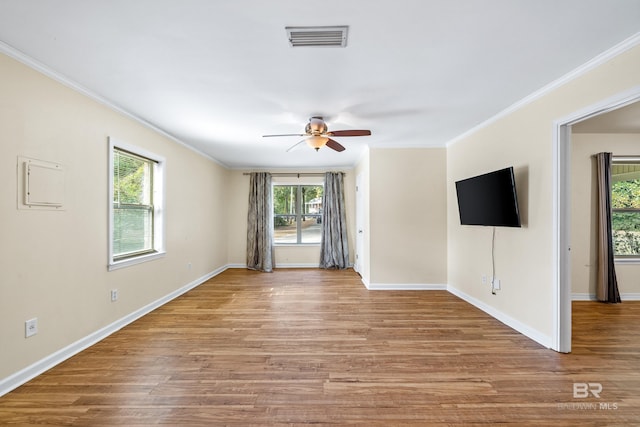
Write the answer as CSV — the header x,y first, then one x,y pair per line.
x,y
334,249
259,229
606,282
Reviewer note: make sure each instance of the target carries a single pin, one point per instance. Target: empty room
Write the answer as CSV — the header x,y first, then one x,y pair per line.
x,y
418,212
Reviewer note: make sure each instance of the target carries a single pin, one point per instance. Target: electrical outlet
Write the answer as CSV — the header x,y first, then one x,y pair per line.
x,y
31,327
496,284
189,266
114,295
484,279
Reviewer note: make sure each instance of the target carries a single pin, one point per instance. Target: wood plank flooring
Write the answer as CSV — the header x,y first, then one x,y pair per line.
x,y
300,347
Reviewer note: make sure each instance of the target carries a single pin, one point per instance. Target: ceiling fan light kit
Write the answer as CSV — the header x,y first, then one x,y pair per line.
x,y
317,135
316,142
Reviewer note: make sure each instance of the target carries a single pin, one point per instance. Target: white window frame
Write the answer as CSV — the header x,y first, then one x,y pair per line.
x,y
300,182
159,166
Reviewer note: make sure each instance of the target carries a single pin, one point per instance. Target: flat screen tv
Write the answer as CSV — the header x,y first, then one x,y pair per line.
x,y
489,199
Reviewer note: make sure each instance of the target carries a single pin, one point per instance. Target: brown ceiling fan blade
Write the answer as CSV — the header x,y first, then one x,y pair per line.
x,y
286,134
334,145
355,132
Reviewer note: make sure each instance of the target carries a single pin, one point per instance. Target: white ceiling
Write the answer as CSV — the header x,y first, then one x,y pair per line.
x,y
217,75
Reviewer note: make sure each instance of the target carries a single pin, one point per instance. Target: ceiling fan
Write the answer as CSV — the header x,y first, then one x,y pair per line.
x,y
317,135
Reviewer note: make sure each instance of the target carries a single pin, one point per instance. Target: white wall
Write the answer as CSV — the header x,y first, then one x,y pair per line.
x,y
524,139
407,217
53,265
584,214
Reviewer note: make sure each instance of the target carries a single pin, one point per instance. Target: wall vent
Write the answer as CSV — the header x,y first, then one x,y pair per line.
x,y
317,36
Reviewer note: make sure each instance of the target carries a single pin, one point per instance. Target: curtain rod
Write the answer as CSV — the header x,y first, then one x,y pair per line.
x,y
292,174
624,158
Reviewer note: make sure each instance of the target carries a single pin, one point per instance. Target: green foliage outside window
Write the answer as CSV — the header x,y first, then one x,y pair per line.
x,y
297,213
625,224
132,204
131,179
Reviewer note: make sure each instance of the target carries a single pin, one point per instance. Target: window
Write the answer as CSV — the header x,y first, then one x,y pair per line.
x,y
297,214
625,203
135,205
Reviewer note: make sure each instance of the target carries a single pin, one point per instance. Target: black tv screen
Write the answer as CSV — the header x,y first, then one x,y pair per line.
x,y
489,199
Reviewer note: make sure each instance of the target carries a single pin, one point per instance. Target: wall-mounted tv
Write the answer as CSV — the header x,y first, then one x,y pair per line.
x,y
489,199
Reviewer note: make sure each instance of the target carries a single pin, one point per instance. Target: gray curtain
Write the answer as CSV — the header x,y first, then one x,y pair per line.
x,y
607,283
259,229
334,250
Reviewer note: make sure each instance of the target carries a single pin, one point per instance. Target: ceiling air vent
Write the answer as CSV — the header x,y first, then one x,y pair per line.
x,y
317,36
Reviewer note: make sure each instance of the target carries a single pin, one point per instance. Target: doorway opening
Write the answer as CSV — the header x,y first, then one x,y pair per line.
x,y
562,210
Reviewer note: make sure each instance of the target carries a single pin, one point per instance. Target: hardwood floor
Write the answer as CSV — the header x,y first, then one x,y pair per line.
x,y
315,347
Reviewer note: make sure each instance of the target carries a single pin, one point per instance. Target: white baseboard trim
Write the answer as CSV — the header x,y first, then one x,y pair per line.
x,y
405,287
21,377
295,265
300,265
525,330
592,297
236,266
583,297
284,265
364,281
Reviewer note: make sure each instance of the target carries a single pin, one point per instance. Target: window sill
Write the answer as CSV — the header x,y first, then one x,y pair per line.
x,y
133,261
279,245
627,260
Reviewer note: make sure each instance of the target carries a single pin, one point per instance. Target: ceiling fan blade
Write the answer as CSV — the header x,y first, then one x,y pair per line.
x,y
334,145
295,145
286,134
354,132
